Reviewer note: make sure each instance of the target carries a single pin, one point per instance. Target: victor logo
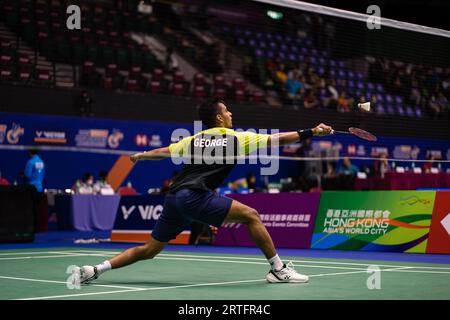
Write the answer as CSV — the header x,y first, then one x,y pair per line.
x,y
147,212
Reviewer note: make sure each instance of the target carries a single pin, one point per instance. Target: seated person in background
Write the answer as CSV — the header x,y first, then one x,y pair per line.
x,y
280,74
102,186
331,171
86,185
381,166
343,103
348,168
426,168
310,100
294,88
248,182
3,181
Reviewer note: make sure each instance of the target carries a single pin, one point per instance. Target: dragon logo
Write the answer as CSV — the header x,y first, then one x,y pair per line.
x,y
115,138
14,134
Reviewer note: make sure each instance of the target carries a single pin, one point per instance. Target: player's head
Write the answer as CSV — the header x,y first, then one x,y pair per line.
x,y
32,152
88,178
214,113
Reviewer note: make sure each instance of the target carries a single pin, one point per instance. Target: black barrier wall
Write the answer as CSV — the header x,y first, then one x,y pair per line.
x,y
17,213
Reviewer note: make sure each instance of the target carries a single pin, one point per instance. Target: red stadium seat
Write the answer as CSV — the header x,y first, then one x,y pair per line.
x,y
178,77
257,96
219,81
135,72
88,67
132,85
155,87
239,96
111,70
178,89
220,93
238,84
6,74
107,83
199,79
199,92
24,76
158,74
6,59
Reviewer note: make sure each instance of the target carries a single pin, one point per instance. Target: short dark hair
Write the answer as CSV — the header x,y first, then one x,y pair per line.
x,y
33,151
86,176
103,175
208,111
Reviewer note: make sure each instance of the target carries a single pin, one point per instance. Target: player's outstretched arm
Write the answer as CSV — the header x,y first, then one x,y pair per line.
x,y
284,138
155,154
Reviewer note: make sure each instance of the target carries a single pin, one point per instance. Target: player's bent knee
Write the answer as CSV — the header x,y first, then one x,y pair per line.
x,y
252,216
150,251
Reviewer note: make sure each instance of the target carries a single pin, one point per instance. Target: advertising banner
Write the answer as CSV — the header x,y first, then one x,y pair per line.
x,y
439,240
397,221
289,218
136,218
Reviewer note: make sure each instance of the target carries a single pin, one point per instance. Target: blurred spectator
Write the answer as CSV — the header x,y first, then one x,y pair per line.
x,y
35,170
294,88
310,100
332,95
296,70
249,182
381,166
84,104
171,62
434,107
426,168
348,168
102,186
86,185
281,74
331,170
442,102
3,181
343,103
128,190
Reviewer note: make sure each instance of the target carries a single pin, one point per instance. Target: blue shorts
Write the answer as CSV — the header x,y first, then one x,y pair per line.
x,y
187,205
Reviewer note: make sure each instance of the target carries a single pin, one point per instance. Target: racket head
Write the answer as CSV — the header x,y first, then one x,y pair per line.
x,y
360,133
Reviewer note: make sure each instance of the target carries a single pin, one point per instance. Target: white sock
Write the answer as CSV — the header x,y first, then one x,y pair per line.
x,y
276,263
103,267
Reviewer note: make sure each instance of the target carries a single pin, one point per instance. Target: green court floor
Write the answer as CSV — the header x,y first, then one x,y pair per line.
x,y
41,274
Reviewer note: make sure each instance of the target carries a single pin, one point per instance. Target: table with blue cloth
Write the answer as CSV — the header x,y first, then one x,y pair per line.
x,y
86,212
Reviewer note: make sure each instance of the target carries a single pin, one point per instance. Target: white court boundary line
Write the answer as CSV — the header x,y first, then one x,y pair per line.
x,y
145,289
64,282
49,257
108,253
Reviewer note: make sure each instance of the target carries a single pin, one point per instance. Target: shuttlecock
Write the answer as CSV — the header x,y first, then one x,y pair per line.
x,y
365,106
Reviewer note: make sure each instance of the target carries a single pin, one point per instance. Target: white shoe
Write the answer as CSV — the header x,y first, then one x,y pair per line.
x,y
85,274
286,274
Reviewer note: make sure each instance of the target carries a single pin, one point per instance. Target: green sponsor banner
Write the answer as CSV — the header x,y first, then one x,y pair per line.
x,y
397,221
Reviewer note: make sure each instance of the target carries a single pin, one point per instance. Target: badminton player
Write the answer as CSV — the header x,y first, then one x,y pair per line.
x,y
191,196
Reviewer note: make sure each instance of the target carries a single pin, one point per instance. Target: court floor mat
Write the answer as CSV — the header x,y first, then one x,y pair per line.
x,y
41,274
